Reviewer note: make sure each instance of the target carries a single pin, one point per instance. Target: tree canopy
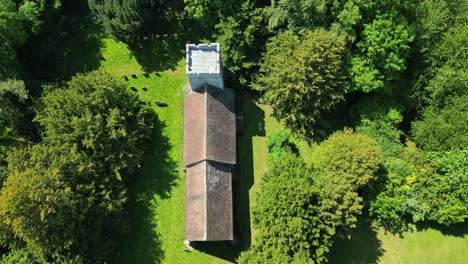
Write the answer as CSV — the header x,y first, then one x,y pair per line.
x,y
301,77
94,135
300,210
17,22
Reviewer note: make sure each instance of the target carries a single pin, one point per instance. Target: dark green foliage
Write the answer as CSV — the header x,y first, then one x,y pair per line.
x,y
445,128
301,77
7,59
279,145
13,95
297,15
241,37
432,20
452,49
130,20
97,114
286,217
94,136
17,22
210,12
122,19
299,211
379,118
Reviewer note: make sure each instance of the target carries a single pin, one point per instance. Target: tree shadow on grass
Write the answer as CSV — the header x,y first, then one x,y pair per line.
x,y
157,176
456,230
253,126
364,247
253,120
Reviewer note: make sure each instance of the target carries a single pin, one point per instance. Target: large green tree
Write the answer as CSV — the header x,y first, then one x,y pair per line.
x,y
347,162
301,77
42,202
242,39
383,51
94,135
286,217
301,210
98,114
131,20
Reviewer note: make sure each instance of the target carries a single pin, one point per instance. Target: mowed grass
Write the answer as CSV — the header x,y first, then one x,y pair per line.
x,y
431,245
428,246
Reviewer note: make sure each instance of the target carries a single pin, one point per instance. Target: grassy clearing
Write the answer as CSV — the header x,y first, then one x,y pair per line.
x,y
431,245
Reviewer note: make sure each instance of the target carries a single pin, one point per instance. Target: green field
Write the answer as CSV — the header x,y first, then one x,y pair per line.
x,y
156,207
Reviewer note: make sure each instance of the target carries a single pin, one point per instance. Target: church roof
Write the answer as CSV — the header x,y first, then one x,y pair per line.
x,y
208,202
209,125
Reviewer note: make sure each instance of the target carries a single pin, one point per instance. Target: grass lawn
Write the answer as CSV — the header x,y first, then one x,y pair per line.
x,y
428,245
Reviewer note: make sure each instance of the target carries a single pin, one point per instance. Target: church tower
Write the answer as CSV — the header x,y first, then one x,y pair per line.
x,y
203,65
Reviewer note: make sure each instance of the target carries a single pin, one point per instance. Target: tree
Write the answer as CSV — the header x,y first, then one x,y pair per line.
x,y
301,210
384,49
349,155
40,203
445,128
94,135
122,19
20,256
422,187
347,162
128,21
97,113
210,12
286,217
17,22
452,166
388,198
302,76
433,18
297,15
242,39
13,95
379,118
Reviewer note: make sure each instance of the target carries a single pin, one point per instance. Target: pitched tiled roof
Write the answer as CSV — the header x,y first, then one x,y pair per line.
x,y
209,125
208,202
